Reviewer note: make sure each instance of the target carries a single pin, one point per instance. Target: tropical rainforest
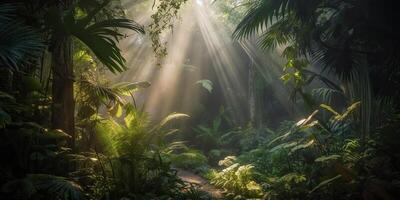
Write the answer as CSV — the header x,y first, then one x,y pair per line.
x,y
199,100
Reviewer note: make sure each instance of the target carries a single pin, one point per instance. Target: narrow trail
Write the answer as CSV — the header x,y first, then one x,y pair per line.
x,y
205,186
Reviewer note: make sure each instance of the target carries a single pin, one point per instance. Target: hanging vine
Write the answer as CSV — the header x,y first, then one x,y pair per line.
x,y
163,18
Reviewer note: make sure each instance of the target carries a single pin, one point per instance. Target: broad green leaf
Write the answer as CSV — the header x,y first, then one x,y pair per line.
x,y
330,109
172,116
126,88
302,146
349,110
206,84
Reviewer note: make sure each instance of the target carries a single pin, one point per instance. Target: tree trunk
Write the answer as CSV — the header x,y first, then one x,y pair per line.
x,y
252,95
63,88
63,108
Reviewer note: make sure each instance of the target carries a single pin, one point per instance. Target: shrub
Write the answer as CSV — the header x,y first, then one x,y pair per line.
x,y
191,159
238,180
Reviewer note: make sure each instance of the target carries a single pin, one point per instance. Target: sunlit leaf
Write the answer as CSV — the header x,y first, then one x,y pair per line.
x,y
349,110
116,110
57,134
206,84
171,117
327,158
306,120
330,109
325,183
302,146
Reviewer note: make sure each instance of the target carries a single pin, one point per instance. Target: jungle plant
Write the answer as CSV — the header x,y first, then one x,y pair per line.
x,y
93,96
135,161
190,159
163,19
37,163
212,134
101,37
19,43
321,32
237,180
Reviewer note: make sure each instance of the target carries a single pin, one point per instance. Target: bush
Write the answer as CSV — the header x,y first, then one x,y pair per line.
x,y
238,180
191,159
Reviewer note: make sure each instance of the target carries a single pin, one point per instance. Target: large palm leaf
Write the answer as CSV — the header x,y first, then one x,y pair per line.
x,y
102,38
109,94
54,186
264,12
18,42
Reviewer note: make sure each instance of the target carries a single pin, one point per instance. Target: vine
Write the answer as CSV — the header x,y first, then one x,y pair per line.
x,y
163,18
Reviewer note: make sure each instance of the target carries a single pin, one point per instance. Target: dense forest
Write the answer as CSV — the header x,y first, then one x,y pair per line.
x,y
199,100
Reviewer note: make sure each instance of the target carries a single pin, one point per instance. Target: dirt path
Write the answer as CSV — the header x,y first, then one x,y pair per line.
x,y
191,177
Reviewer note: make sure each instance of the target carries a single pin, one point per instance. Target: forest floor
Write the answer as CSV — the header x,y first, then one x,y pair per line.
x,y
204,185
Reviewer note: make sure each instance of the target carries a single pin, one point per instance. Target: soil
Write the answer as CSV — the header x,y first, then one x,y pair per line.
x,y
204,185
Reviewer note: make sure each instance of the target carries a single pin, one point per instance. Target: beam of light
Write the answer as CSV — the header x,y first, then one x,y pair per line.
x,y
200,2
201,42
225,60
269,66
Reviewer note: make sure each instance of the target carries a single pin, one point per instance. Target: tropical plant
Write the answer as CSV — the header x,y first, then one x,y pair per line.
x,y
101,37
212,134
135,160
19,43
237,180
189,159
53,186
322,32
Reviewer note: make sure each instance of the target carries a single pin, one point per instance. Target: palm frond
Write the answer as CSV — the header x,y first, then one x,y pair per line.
x,y
102,92
59,186
102,38
54,186
127,88
262,12
18,42
279,33
325,95
6,11
256,18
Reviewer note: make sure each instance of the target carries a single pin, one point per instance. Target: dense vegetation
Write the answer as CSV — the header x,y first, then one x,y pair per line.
x,y
69,131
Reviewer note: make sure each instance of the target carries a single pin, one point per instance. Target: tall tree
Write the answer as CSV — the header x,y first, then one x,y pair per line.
x,y
101,37
63,107
353,39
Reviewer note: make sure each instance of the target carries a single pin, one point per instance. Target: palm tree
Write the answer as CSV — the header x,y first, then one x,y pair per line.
x,y
352,39
100,37
19,44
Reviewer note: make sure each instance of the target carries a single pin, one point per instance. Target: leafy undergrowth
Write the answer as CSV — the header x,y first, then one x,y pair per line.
x,y
312,159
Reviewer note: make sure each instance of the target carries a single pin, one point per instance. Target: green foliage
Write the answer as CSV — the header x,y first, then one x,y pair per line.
x,y
102,37
313,159
19,43
190,159
237,179
206,84
163,18
53,186
135,162
210,135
